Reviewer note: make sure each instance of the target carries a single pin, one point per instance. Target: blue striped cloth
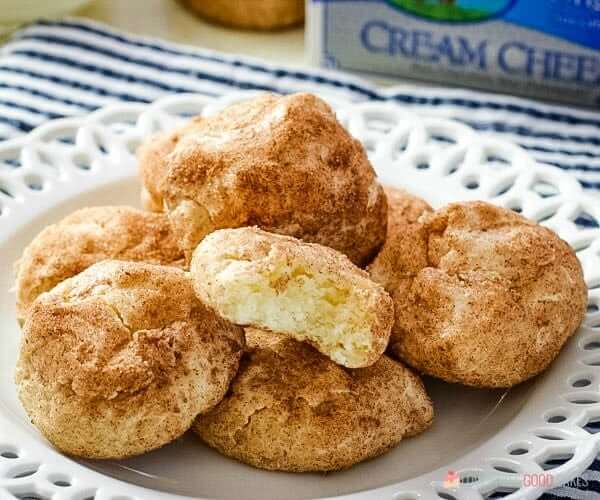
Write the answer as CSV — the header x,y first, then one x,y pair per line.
x,y
70,67
53,69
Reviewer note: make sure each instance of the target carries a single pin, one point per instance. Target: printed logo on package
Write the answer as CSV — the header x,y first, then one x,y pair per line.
x,y
458,11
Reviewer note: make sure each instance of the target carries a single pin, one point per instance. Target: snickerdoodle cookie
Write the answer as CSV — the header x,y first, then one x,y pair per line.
x,y
152,158
404,210
281,284
152,163
484,297
88,236
284,164
121,358
292,409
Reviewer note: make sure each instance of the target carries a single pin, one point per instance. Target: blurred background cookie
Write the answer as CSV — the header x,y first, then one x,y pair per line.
x,y
250,14
292,409
308,291
121,358
484,297
284,164
88,236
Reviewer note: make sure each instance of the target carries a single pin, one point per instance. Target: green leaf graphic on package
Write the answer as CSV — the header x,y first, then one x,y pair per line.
x,y
453,10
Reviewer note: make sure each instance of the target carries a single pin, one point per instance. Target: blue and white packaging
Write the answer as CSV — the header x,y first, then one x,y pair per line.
x,y
544,48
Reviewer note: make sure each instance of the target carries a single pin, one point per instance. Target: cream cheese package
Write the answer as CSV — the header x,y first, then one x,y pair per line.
x,y
544,48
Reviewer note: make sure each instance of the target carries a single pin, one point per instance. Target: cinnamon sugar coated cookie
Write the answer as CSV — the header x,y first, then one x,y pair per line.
x,y
292,409
120,359
88,236
152,157
152,163
284,164
404,210
483,297
308,291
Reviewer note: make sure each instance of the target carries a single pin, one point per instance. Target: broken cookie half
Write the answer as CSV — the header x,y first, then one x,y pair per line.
x,y
307,291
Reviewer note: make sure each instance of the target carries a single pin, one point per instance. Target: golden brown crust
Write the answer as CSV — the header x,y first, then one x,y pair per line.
x,y
121,358
292,409
88,236
284,164
308,291
484,297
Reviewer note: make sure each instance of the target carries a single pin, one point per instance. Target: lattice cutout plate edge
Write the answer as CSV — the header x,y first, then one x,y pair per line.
x,y
425,155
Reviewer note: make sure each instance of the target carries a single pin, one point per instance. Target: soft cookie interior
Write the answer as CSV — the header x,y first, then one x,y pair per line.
x,y
309,300
288,298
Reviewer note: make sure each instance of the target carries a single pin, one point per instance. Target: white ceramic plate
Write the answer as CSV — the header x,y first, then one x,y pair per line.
x,y
522,441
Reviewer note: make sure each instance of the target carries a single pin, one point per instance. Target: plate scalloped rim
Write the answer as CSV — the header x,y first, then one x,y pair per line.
x,y
66,157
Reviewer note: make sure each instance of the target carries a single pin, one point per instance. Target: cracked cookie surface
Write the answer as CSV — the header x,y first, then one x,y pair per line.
x,y
284,164
292,409
482,296
88,236
121,358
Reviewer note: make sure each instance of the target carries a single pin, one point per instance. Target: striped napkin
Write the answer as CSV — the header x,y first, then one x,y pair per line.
x,y
71,67
62,68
